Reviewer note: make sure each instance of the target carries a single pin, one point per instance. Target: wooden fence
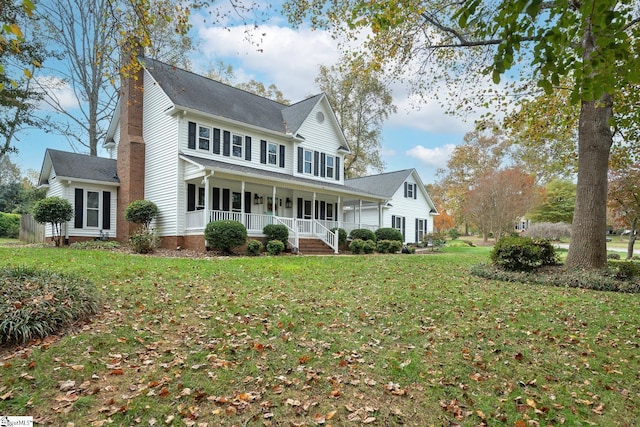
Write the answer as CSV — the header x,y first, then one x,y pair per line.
x,y
31,231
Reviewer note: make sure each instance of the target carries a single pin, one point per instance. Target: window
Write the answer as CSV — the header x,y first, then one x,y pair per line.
x,y
329,167
237,145
93,208
200,205
308,156
307,209
330,211
204,137
411,188
273,154
236,202
397,222
421,229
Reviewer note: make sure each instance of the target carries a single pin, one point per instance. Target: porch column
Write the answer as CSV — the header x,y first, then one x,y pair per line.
x,y
207,200
242,214
273,201
313,207
379,214
339,212
360,215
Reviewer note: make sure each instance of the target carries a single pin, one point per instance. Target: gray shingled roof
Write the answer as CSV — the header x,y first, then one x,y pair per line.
x,y
192,91
385,184
82,166
246,170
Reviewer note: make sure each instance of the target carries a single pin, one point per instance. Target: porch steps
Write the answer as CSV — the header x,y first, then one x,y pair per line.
x,y
314,247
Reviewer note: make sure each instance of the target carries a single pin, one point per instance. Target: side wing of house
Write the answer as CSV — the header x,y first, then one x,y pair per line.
x,y
410,210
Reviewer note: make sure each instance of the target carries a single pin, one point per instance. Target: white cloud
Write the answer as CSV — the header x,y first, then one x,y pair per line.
x,y
272,54
57,92
432,157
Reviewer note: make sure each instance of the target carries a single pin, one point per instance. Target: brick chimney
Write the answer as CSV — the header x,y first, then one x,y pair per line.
x,y
131,147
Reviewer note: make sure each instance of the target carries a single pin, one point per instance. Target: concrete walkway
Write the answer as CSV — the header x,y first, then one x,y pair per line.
x,y
623,250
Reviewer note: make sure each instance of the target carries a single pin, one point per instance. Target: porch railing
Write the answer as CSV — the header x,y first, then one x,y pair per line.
x,y
255,223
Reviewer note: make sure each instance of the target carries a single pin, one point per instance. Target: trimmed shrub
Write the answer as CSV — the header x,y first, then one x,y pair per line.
x,y
9,225
362,234
549,231
613,255
626,270
275,247
453,234
388,246
54,210
225,235
141,212
34,303
356,246
145,241
388,234
522,254
342,235
434,240
276,232
254,247
369,246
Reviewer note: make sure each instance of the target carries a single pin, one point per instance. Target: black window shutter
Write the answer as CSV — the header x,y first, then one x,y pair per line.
x,y
323,160
79,205
337,168
300,207
316,163
247,202
316,210
335,213
415,191
226,194
247,148
216,141
300,159
405,189
416,230
191,197
322,210
216,199
393,221
282,156
263,151
226,143
106,210
192,136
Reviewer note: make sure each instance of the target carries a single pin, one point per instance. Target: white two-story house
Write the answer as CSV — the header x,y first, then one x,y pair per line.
x,y
203,151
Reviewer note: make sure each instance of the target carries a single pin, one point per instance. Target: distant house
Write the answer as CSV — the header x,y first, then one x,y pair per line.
x,y
204,151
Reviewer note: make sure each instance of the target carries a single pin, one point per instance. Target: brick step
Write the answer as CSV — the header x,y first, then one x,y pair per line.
x,y
314,247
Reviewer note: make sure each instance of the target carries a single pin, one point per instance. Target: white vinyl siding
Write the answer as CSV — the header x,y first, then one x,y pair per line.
x,y
160,133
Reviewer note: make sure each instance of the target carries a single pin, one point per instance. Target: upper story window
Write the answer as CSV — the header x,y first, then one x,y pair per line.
x,y
409,190
308,161
204,137
237,145
329,167
272,156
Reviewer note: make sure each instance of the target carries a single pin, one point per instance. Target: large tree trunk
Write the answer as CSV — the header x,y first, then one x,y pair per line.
x,y
588,247
632,238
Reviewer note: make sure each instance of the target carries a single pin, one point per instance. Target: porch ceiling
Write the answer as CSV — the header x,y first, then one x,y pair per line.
x,y
265,177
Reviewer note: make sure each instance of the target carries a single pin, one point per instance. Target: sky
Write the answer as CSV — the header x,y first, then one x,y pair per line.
x,y
420,135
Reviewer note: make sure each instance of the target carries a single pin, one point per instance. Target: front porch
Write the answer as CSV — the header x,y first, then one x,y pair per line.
x,y
299,228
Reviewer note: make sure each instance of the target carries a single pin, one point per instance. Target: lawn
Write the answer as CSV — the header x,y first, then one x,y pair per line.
x,y
290,341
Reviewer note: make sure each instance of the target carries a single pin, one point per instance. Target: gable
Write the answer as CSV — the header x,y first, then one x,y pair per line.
x,y
321,131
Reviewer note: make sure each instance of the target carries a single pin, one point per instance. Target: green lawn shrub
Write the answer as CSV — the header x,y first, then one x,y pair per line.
x,y
626,270
342,235
9,225
254,247
523,253
144,241
362,234
434,240
388,234
453,234
141,212
388,246
225,235
275,247
54,210
613,255
35,304
359,246
276,232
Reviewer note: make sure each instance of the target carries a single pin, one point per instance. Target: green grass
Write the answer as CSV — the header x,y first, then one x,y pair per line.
x,y
403,339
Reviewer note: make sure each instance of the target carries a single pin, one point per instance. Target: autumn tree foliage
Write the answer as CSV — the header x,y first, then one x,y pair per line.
x,y
558,200
498,200
592,44
624,201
